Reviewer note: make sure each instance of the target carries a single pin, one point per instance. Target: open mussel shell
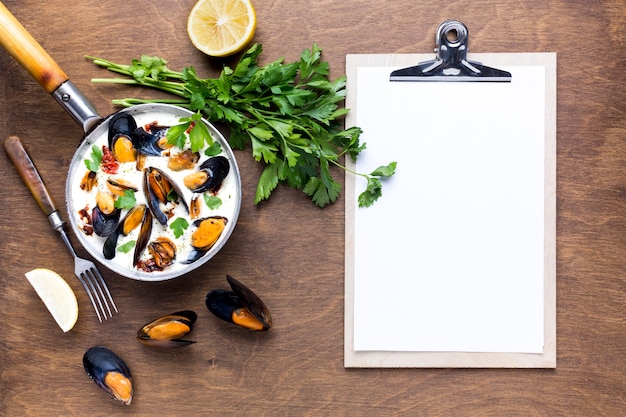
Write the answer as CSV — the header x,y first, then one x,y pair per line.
x,y
207,233
121,128
146,143
160,189
135,217
210,176
167,331
110,373
240,306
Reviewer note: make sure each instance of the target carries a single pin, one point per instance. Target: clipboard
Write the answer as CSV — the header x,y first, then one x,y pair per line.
x,y
500,286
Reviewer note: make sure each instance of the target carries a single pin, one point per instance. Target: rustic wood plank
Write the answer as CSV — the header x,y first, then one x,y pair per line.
x,y
290,252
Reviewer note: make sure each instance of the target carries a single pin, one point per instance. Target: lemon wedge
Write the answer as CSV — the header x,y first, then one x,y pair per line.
x,y
221,28
57,295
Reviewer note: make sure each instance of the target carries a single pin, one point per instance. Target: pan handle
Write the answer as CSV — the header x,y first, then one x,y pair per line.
x,y
29,53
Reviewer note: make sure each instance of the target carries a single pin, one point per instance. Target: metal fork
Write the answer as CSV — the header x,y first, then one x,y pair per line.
x,y
85,270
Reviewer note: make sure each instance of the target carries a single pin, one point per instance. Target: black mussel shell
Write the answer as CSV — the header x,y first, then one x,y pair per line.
x,y
217,169
122,124
251,301
110,244
240,306
110,373
222,303
194,255
146,142
167,331
144,236
104,224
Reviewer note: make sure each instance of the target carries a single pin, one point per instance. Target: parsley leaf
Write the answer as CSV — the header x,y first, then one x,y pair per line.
x,y
93,164
126,247
289,114
214,149
126,201
212,201
179,226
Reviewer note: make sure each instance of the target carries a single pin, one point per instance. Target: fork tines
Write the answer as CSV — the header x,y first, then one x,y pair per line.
x,y
98,292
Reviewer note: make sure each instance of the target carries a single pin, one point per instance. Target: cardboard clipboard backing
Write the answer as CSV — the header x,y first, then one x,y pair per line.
x,y
455,359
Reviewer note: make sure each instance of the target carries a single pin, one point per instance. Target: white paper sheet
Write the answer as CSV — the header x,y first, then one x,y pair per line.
x,y
451,258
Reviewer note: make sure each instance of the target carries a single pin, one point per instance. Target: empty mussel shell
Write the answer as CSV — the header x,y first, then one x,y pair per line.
x,y
240,306
167,331
110,373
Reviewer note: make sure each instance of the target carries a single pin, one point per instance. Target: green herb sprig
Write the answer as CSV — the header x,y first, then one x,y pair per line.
x,y
288,113
93,164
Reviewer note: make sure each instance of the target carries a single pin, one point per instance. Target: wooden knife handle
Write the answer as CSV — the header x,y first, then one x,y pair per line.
x,y
28,171
29,53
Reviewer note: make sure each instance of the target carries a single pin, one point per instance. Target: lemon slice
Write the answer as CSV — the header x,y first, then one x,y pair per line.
x,y
57,295
221,27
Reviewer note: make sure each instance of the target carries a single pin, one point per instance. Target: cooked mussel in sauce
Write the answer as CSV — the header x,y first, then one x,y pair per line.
x,y
121,128
210,175
127,141
168,330
163,251
161,191
207,232
240,306
136,216
110,373
104,215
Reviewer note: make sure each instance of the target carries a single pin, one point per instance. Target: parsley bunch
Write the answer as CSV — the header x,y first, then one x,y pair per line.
x,y
288,113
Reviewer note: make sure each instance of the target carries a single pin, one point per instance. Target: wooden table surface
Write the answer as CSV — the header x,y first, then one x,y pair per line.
x,y
291,252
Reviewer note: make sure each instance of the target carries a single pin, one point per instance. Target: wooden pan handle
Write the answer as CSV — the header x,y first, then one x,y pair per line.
x,y
27,170
29,53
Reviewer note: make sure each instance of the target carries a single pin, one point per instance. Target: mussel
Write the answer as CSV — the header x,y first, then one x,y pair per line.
x,y
118,186
208,231
186,159
160,190
89,181
110,373
131,220
167,331
240,306
163,251
209,176
144,236
121,128
126,140
147,143
104,215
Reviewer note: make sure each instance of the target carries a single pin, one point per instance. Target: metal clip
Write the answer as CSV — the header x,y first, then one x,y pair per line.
x,y
451,63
